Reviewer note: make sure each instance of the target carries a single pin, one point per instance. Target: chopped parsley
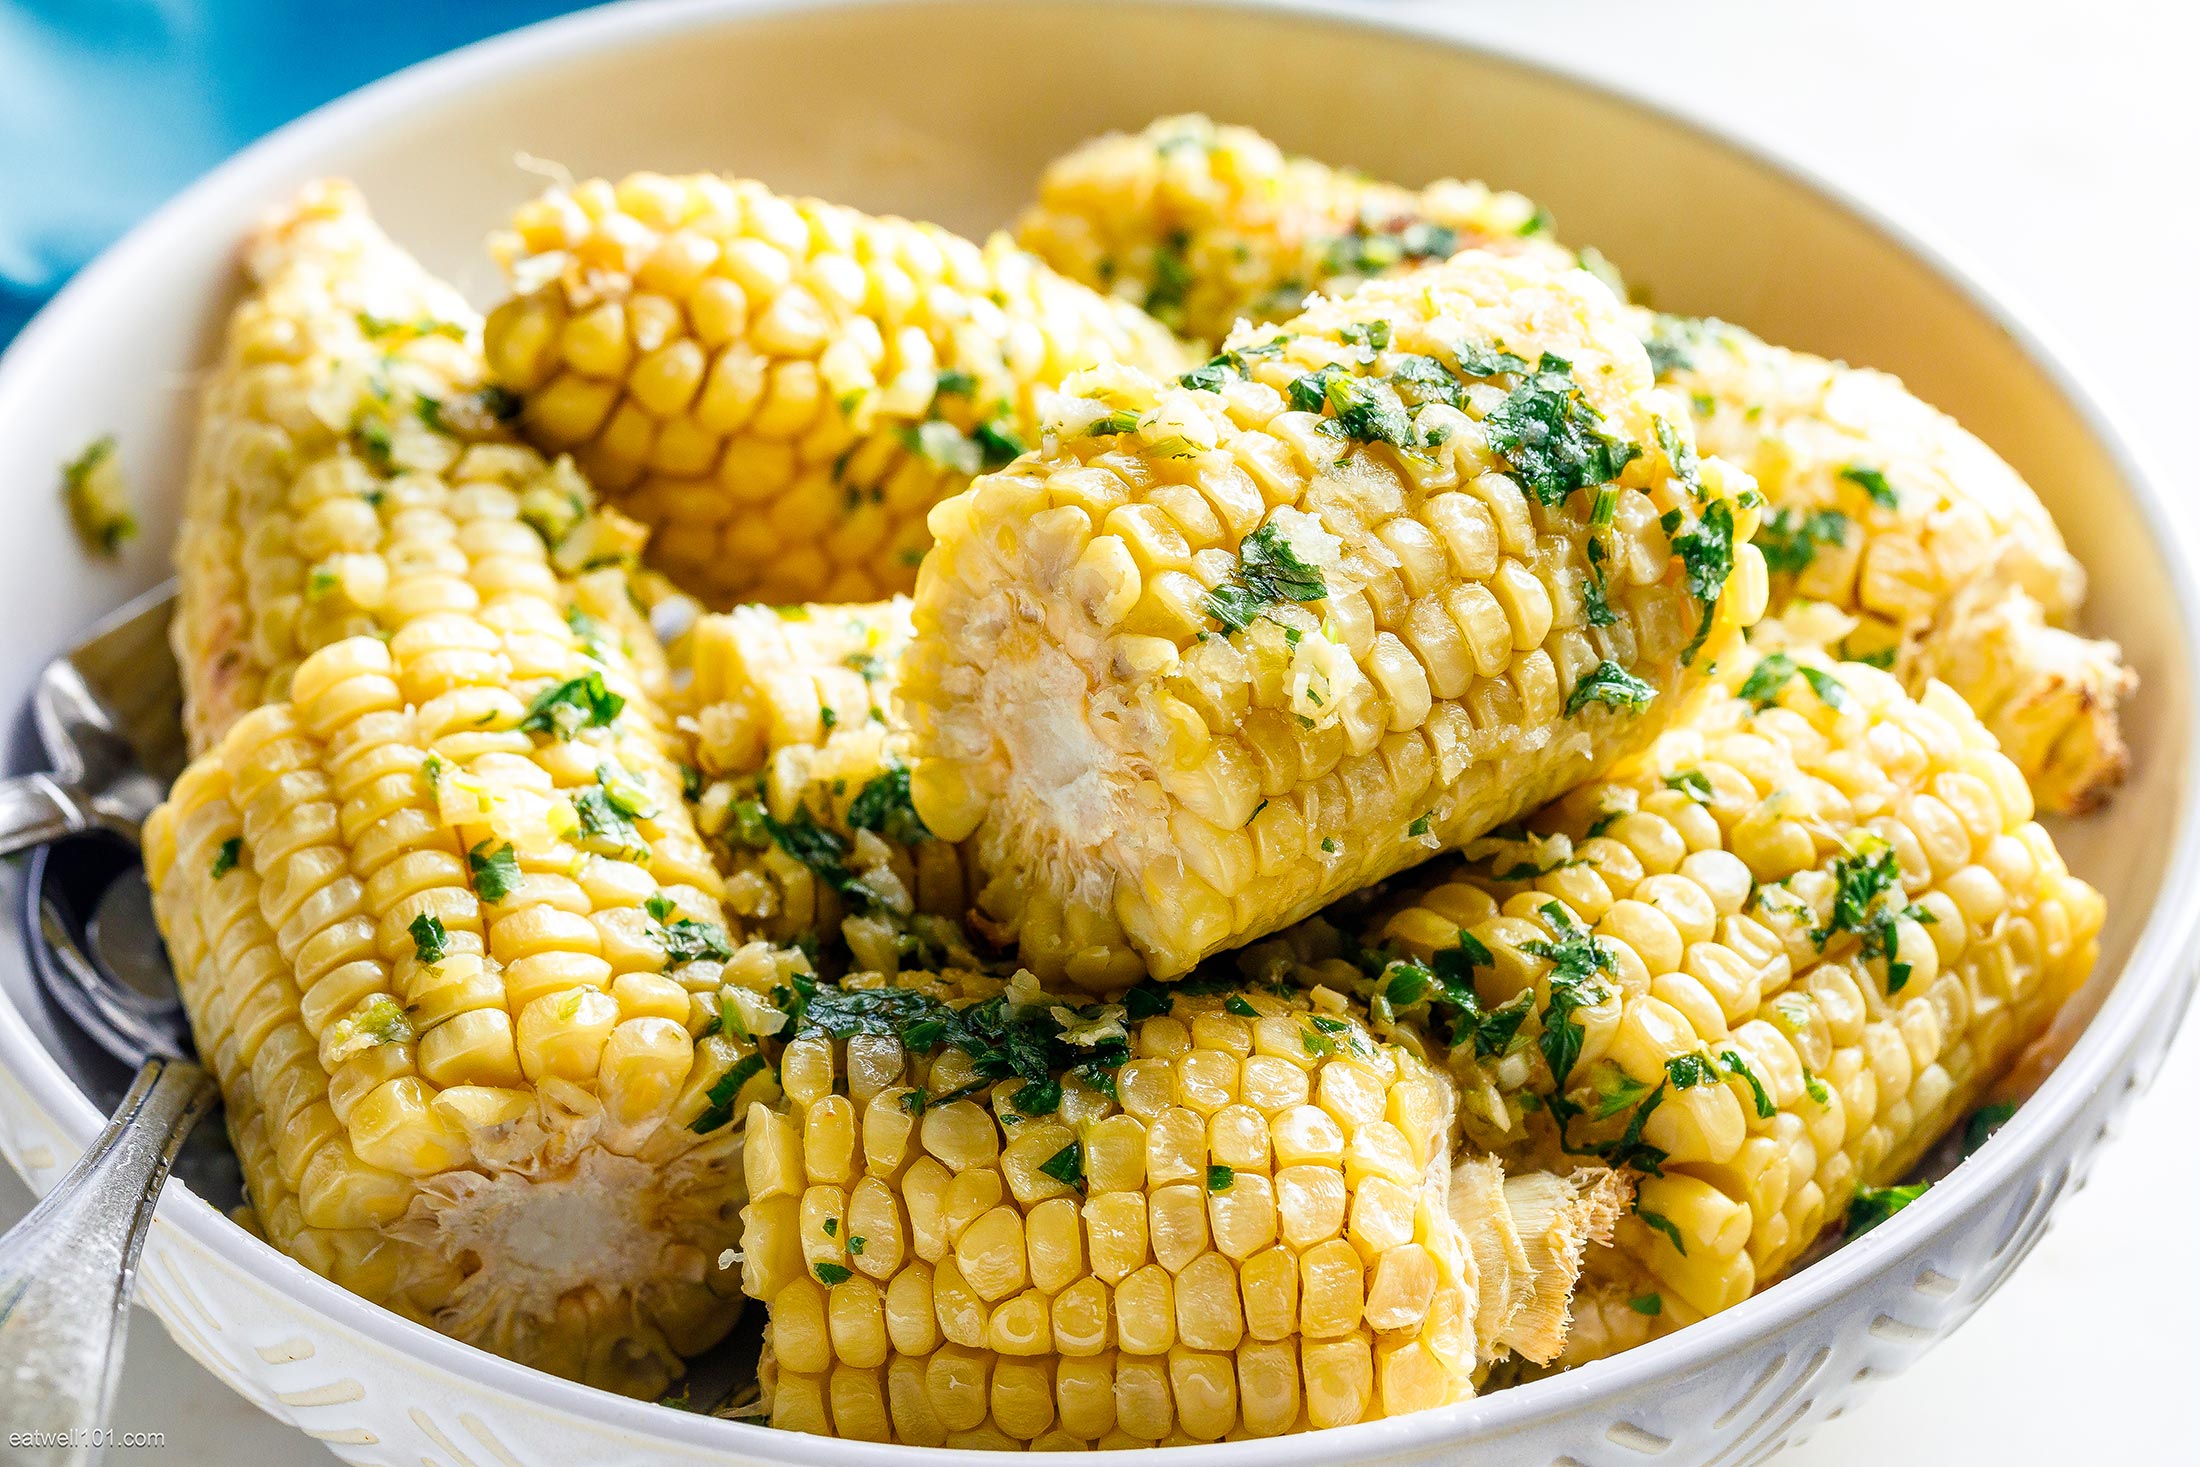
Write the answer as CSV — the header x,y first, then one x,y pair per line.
x,y
1672,346
1706,549
832,1227
1488,361
1122,420
855,1244
1534,870
606,829
1687,1071
1629,1149
832,1273
431,943
1867,901
495,874
1172,280
1547,431
1650,1304
1212,376
1732,1062
884,807
824,851
1576,960
1067,1166
1816,1089
372,435
1220,1178
997,443
1002,1043
1874,1205
92,487
226,856
375,327
1421,379
1693,783
724,1092
1269,573
1984,1122
1610,684
1664,1224
1873,483
1681,454
1374,335
1374,247
1776,669
1790,539
1236,1004
684,939
1616,1090
1455,1011
570,706
1419,827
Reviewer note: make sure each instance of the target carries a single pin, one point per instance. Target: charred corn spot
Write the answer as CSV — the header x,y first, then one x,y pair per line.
x,y
781,388
438,913
1887,509
1827,923
1367,585
805,793
1234,1217
349,475
1204,225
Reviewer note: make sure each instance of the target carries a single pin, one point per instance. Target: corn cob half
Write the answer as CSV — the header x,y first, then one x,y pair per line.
x,y
986,1219
1886,508
805,779
439,915
1877,503
1232,646
781,388
1204,225
1769,961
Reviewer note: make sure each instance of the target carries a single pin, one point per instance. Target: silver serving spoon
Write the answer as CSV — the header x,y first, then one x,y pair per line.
x,y
107,713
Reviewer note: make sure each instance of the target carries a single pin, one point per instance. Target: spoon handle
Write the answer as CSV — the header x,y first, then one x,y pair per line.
x,y
35,809
66,1269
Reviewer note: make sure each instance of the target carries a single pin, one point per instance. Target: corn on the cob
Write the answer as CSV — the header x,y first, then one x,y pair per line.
x,y
1771,959
1948,558
986,1219
806,781
1230,647
1204,225
1889,510
781,388
318,504
439,915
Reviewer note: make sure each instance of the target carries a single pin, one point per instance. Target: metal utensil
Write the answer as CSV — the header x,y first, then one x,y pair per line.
x,y
107,713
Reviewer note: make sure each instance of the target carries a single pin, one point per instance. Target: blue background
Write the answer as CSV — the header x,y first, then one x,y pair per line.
x,y
109,106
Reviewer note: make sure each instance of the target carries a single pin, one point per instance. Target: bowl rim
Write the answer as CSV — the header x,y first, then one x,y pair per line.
x,y
2147,985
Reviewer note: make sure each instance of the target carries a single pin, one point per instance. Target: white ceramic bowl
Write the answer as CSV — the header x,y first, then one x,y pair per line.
x,y
948,110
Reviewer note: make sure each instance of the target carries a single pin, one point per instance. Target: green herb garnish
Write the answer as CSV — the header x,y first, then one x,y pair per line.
x,y
1874,1205
495,873
569,707
431,944
1269,573
1610,684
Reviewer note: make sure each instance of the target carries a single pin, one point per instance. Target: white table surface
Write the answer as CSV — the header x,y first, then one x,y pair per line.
x,y
2016,130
